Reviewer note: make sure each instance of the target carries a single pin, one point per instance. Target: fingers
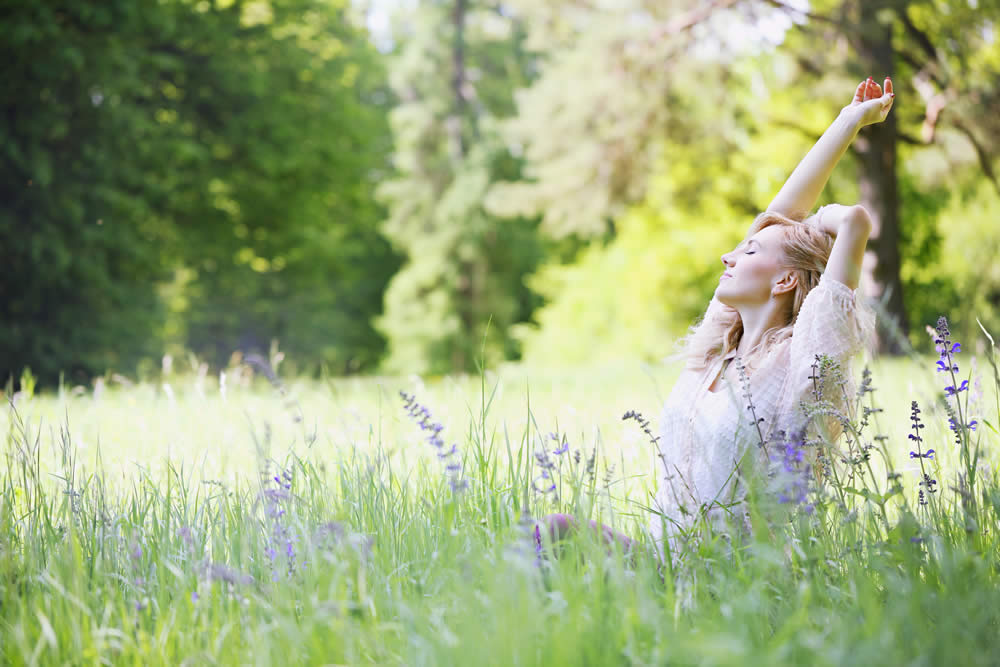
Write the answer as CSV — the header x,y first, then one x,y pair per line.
x,y
859,94
873,90
869,90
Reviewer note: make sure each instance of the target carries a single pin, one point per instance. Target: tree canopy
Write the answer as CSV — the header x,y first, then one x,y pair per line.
x,y
548,180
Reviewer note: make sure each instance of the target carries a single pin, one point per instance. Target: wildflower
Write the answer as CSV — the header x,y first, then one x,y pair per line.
x,y
220,572
920,455
422,416
947,351
277,499
915,418
953,424
866,383
792,475
929,483
757,421
136,552
544,483
643,424
952,390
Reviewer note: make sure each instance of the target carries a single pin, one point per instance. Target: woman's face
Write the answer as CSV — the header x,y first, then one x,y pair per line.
x,y
752,269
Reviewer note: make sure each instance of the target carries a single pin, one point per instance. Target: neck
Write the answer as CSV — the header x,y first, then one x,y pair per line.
x,y
757,320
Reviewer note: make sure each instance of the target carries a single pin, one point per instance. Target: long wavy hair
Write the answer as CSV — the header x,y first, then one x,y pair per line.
x,y
805,252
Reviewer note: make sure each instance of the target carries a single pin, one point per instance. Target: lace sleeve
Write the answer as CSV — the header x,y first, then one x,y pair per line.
x,y
831,322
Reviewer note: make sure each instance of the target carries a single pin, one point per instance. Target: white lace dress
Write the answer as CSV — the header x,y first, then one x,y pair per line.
x,y
704,434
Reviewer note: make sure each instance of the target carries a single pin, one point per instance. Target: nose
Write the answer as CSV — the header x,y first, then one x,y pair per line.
x,y
727,259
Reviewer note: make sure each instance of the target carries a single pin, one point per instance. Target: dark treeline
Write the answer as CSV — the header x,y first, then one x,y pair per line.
x,y
530,178
194,173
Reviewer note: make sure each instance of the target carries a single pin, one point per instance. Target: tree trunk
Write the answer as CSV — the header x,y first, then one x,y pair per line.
x,y
879,187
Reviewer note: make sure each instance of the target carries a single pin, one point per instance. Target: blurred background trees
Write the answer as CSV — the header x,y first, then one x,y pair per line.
x,y
547,180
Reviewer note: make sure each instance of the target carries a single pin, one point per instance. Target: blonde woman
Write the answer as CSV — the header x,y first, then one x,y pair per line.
x,y
787,294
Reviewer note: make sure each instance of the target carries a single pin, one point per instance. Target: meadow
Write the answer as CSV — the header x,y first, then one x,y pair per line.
x,y
203,519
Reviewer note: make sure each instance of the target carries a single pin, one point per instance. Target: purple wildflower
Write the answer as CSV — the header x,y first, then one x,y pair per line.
x,y
793,473
926,481
544,483
277,497
952,390
422,416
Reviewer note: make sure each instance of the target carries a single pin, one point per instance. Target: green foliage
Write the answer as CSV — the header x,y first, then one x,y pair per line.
x,y
228,147
285,245
962,274
719,167
81,242
729,125
557,178
464,267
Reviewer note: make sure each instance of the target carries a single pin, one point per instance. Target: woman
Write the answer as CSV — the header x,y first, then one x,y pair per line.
x,y
787,294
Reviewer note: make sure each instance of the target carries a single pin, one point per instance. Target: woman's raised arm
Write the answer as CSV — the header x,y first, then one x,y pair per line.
x,y
850,227
803,187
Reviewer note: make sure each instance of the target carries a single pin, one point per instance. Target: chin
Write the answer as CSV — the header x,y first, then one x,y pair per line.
x,y
722,296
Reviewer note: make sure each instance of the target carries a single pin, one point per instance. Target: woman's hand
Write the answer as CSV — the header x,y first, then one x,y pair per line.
x,y
828,219
823,221
799,193
871,104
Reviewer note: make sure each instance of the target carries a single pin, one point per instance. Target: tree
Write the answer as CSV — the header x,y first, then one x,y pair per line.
x,y
454,76
592,147
219,155
956,83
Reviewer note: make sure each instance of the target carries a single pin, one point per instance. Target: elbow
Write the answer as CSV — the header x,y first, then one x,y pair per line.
x,y
859,219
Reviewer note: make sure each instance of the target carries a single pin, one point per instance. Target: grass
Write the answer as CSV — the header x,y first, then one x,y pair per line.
x,y
176,523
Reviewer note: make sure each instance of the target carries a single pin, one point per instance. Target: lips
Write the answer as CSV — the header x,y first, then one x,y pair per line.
x,y
724,276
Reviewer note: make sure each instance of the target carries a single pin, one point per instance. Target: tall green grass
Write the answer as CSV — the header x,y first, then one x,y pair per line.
x,y
177,523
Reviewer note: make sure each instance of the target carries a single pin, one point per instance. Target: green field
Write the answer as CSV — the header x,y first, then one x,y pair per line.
x,y
184,521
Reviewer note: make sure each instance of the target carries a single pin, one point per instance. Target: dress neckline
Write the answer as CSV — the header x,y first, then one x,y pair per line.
x,y
720,376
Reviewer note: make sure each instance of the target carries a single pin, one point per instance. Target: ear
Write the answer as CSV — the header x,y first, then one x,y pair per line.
x,y
787,282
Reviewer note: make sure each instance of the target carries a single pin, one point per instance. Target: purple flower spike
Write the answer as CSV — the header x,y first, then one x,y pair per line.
x,y
422,416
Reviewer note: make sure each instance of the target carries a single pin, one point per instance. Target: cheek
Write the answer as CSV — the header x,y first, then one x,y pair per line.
x,y
757,268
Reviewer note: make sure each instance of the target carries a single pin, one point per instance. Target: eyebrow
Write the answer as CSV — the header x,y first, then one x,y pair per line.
x,y
754,241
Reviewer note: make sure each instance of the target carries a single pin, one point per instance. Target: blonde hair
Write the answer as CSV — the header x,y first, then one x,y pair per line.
x,y
805,251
